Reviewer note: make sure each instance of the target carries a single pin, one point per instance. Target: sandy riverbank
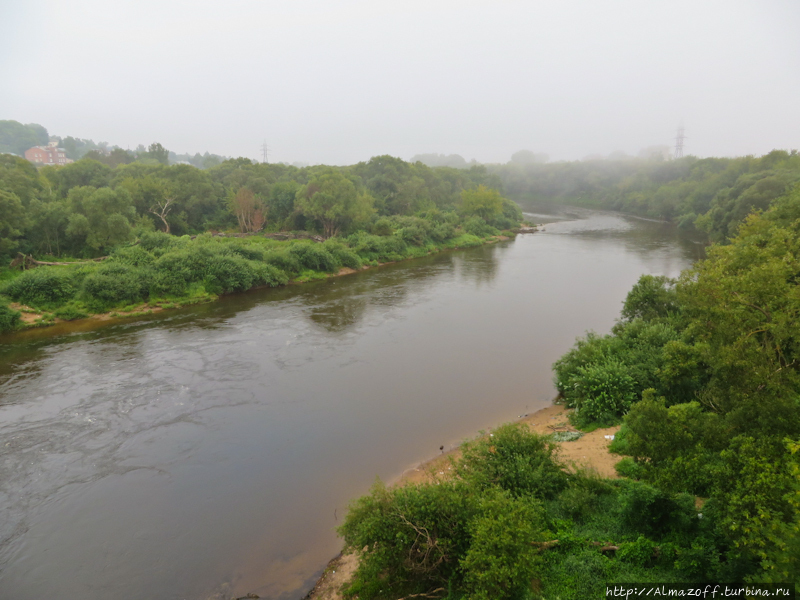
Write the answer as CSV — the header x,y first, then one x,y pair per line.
x,y
591,450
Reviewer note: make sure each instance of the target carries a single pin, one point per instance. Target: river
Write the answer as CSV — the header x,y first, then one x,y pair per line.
x,y
210,452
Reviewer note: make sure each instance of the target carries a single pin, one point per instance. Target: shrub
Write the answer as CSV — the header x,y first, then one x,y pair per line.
x,y
412,234
314,256
228,274
575,501
157,240
269,275
375,248
640,553
442,232
604,392
135,256
9,318
382,226
342,253
283,260
515,459
629,468
418,537
113,284
69,313
249,252
479,227
43,287
173,272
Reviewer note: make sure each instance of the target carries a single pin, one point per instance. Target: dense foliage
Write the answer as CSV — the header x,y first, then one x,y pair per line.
x,y
377,211
705,372
711,195
511,522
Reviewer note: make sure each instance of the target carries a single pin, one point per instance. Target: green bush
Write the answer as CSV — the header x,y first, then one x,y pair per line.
x,y
628,467
228,274
268,275
285,261
135,256
576,501
641,552
113,284
157,240
250,252
515,459
479,227
9,318
43,287
314,256
423,537
376,248
442,232
174,271
382,226
603,392
69,313
342,253
412,235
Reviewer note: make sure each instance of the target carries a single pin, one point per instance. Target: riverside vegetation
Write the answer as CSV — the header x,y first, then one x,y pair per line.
x,y
156,227
708,196
704,374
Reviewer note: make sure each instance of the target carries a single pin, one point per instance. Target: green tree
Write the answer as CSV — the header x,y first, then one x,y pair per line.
x,y
334,201
12,221
157,152
481,202
16,138
101,218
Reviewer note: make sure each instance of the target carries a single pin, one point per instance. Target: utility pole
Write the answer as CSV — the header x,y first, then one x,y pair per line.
x,y
679,142
265,152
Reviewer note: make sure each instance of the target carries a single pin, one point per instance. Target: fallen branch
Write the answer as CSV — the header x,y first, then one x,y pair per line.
x,y
425,594
28,262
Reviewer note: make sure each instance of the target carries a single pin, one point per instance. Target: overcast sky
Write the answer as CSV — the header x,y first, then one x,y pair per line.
x,y
339,81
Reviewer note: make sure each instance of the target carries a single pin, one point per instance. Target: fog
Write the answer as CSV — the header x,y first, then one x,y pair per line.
x,y
338,82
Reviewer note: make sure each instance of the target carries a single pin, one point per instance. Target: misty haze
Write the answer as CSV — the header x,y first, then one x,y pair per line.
x,y
387,300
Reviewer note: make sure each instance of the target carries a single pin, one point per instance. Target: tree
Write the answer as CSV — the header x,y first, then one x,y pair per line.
x,y
102,218
12,221
157,152
16,138
482,202
334,201
249,211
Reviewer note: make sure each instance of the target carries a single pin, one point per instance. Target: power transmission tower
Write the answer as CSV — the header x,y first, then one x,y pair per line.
x,y
265,152
679,142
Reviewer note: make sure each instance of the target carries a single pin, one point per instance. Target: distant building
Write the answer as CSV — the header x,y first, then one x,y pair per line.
x,y
47,155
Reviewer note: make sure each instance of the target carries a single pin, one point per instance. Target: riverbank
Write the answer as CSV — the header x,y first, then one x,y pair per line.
x,y
35,317
589,451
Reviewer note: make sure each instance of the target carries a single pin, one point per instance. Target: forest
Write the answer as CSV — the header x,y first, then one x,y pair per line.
x,y
707,195
148,232
703,372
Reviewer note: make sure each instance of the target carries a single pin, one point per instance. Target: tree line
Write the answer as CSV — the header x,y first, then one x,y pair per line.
x,y
157,227
707,195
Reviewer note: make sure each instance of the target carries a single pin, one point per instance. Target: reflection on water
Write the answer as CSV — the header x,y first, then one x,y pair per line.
x,y
210,452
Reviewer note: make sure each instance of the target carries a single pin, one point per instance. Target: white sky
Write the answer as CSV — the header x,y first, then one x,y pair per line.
x,y
339,81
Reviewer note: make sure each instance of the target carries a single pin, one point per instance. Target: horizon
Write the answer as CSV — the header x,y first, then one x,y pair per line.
x,y
336,84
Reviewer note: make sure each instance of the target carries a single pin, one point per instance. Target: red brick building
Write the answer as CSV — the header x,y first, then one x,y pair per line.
x,y
47,155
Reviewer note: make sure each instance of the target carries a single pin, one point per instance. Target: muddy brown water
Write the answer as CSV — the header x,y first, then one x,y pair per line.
x,y
210,452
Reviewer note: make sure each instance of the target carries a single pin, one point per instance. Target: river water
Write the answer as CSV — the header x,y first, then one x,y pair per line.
x,y
210,452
